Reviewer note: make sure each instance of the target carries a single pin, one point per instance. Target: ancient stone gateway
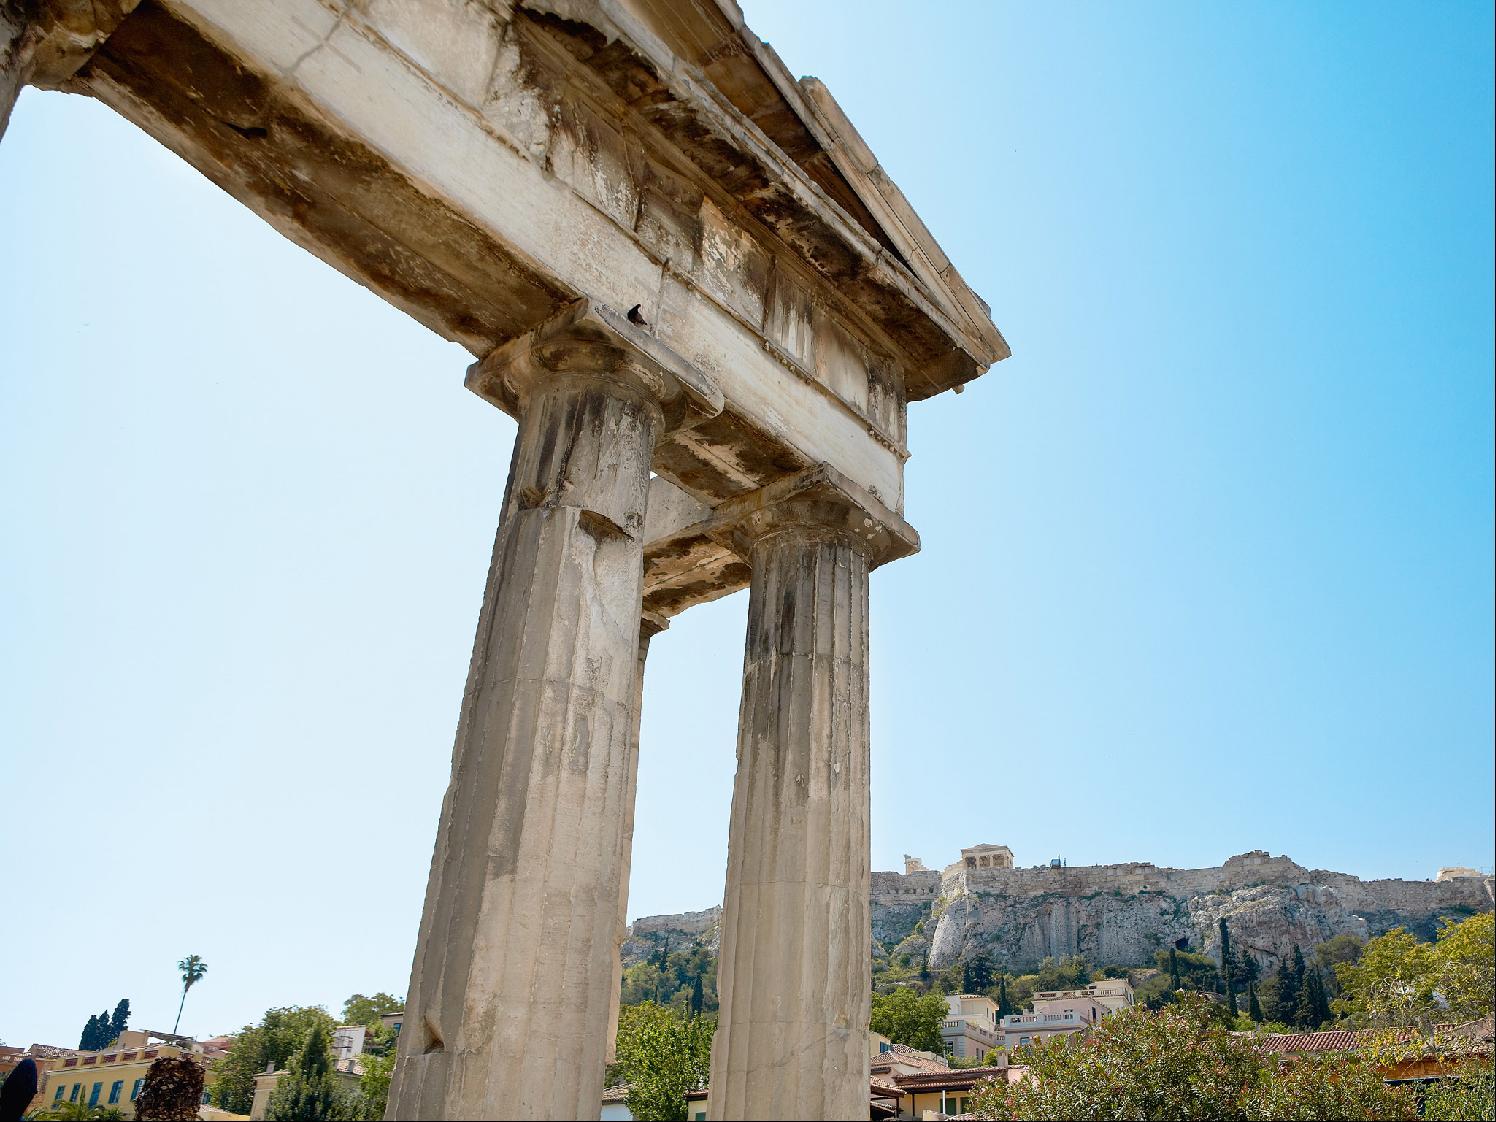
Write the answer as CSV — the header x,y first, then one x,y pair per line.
x,y
687,277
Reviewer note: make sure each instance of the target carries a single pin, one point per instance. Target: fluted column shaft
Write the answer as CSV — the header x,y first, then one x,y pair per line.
x,y
509,1000
649,627
795,969
14,64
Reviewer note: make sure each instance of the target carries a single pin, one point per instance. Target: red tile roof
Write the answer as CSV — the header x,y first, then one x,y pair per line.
x,y
952,1079
1339,1040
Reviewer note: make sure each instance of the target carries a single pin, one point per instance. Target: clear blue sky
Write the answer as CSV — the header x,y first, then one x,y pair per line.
x,y
1207,564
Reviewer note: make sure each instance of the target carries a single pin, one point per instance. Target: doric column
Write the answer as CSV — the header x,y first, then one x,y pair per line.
x,y
650,625
14,63
509,999
795,970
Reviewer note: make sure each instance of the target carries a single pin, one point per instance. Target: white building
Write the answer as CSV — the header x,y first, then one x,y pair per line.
x,y
970,1029
1059,1012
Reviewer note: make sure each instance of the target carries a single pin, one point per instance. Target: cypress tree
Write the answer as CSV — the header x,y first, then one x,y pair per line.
x,y
1290,985
89,1035
1004,1006
976,974
697,999
1319,1001
1174,983
308,1092
121,1018
1254,1009
1228,967
1303,1011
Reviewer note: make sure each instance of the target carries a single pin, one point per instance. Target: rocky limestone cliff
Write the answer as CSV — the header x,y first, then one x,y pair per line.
x,y
1119,914
648,934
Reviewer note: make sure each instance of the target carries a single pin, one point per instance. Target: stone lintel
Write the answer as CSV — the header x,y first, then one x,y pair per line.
x,y
689,563
588,338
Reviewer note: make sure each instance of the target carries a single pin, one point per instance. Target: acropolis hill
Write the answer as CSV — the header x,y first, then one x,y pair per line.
x,y
1121,914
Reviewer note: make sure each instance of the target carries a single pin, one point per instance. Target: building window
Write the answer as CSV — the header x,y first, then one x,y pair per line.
x,y
135,1090
93,1096
57,1098
114,1090
73,1095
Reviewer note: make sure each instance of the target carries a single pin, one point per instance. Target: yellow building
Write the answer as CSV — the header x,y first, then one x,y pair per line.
x,y
114,1076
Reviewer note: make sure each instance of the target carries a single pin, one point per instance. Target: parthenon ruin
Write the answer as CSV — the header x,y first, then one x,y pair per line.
x,y
707,306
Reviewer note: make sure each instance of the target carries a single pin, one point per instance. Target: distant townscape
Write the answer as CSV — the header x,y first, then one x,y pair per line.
x,y
996,992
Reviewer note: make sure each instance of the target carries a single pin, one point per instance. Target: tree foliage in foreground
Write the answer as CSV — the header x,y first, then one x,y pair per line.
x,y
1181,1063
907,1017
662,1053
1469,1095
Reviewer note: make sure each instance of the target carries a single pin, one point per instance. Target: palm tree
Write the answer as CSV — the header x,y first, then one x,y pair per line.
x,y
193,968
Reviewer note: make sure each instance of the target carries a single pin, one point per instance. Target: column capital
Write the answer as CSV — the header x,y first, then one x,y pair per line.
x,y
818,501
651,624
589,340
65,33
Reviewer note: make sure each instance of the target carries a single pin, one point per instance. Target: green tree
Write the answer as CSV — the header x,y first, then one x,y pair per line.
x,y
1254,1007
1182,1063
1175,982
1330,954
374,1086
308,1092
1067,973
88,1038
77,1112
280,1035
1330,1085
1004,1002
976,974
1466,1095
1228,968
662,1054
1399,982
906,1017
367,1011
674,978
1311,1004
193,968
1196,971
1288,982
119,1020
1464,964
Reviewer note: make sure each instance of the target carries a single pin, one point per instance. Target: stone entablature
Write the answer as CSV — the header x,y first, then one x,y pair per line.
x,y
986,857
1458,872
